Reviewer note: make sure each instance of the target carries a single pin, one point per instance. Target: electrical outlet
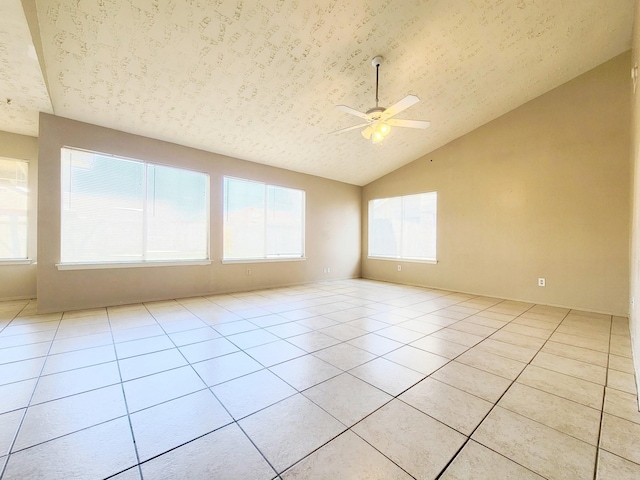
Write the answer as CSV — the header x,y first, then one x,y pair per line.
x,y
399,268
542,282
248,271
328,269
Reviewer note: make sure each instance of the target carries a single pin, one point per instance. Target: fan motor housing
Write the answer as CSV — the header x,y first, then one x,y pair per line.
x,y
375,113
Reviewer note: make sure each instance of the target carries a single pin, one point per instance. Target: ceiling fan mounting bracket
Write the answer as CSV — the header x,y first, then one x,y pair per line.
x,y
375,113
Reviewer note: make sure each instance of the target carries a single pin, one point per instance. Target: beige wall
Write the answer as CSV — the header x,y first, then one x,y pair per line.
x,y
19,281
332,226
542,191
634,317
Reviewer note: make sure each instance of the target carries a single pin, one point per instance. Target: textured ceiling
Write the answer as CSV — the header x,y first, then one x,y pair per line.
x,y
22,89
259,79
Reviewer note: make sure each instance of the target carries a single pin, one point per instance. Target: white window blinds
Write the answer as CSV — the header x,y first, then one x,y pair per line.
x,y
262,221
121,210
403,227
13,209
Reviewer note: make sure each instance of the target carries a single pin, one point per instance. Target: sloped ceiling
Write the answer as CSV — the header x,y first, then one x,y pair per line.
x,y
258,80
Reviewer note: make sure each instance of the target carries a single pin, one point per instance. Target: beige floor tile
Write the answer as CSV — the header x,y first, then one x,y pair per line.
x,y
109,446
387,376
150,363
250,393
336,460
568,366
622,364
612,467
437,320
567,416
252,338
344,332
154,389
132,473
289,329
576,353
375,344
507,350
473,328
67,383
572,388
585,329
170,424
81,358
226,453
599,344
19,371
194,336
440,347
622,381
400,334
80,343
416,442
337,395
501,366
313,341
456,336
622,404
305,372
541,449
9,423
621,350
136,333
24,352
451,406
27,338
235,327
518,339
503,317
275,352
316,323
344,356
144,345
485,322
226,367
50,420
542,322
416,359
621,437
289,430
534,332
476,382
477,462
197,352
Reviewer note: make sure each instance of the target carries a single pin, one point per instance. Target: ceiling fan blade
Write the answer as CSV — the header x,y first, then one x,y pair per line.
x,y
403,104
366,133
394,122
345,109
350,128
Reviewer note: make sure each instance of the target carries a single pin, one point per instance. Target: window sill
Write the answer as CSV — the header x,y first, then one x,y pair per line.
x,y
107,265
22,261
407,260
263,260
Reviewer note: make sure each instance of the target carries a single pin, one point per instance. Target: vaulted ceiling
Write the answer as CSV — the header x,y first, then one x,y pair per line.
x,y
259,79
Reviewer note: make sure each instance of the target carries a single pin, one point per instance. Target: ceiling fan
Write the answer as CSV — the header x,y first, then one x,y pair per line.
x,y
379,119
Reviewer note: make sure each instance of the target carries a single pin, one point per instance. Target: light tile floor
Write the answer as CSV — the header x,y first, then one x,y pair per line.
x,y
347,379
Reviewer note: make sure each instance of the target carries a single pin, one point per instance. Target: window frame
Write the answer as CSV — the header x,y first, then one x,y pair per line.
x,y
266,258
399,257
144,262
26,260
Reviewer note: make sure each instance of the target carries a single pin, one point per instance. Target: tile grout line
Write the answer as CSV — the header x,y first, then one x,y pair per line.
x,y
604,399
495,404
207,387
24,415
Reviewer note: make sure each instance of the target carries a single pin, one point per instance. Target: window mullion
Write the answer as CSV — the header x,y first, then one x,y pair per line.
x,y
145,219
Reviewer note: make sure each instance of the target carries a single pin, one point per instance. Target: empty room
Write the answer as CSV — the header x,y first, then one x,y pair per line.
x,y
284,239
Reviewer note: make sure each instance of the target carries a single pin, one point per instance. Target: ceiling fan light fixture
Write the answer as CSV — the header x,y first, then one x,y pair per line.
x,y
384,128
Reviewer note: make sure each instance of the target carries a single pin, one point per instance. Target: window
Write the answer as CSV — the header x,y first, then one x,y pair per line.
x,y
262,221
403,227
13,209
122,210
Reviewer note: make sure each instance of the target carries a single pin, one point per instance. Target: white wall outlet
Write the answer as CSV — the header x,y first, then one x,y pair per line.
x,y
248,271
542,282
399,268
328,269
